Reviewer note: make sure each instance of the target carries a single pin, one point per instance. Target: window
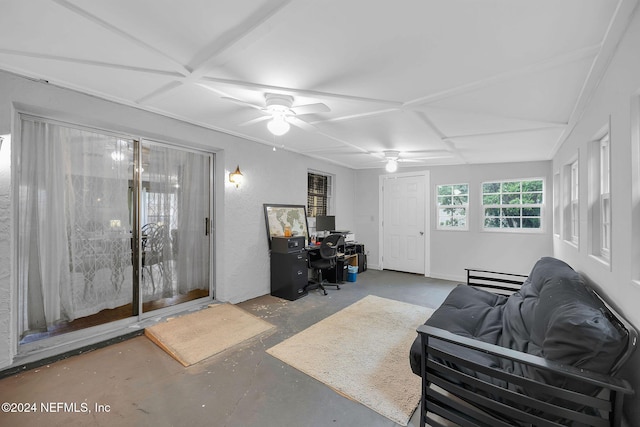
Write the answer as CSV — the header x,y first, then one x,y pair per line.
x,y
575,203
6,141
453,204
556,204
319,189
605,198
513,205
632,254
5,162
599,198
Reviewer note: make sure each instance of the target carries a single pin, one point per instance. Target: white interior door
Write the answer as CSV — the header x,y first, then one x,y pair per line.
x,y
404,223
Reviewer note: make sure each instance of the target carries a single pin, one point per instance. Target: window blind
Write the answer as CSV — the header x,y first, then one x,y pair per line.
x,y
317,194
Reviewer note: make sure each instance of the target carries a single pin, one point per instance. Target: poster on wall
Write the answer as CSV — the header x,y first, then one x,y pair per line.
x,y
282,220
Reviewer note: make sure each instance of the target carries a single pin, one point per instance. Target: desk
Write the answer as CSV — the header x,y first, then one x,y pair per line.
x,y
341,268
337,274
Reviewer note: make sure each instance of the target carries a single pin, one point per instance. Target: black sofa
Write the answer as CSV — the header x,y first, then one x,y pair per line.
x,y
537,350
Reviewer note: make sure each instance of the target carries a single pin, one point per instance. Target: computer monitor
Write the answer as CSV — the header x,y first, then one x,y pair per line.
x,y
325,222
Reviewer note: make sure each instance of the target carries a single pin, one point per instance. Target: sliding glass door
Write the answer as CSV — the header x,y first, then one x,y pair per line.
x,y
108,227
174,230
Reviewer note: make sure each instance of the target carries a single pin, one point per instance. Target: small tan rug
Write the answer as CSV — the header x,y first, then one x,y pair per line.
x,y
197,336
362,352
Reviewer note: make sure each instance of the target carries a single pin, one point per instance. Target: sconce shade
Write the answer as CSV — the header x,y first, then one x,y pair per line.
x,y
236,176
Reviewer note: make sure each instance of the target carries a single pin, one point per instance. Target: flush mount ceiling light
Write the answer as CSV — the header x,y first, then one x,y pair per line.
x,y
392,160
392,165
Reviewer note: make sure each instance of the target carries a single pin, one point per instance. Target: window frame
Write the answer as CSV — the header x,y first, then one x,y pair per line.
x,y
327,194
605,196
574,202
557,211
453,206
501,206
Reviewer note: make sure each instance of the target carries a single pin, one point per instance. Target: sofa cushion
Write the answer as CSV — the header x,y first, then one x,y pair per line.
x,y
482,320
556,316
482,311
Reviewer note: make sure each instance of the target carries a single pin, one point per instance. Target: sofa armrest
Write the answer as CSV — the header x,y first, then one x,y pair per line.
x,y
495,281
496,397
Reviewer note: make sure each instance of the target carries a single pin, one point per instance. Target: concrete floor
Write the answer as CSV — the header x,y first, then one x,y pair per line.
x,y
134,383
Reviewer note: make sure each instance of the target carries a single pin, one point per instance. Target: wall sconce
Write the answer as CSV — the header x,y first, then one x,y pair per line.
x,y
236,177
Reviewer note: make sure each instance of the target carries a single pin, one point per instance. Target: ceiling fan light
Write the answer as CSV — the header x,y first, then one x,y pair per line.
x,y
392,165
278,125
118,156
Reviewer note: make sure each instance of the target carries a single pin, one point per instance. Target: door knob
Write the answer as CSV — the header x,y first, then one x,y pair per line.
x,y
422,233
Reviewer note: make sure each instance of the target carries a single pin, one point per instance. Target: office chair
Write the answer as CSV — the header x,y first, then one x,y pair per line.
x,y
328,252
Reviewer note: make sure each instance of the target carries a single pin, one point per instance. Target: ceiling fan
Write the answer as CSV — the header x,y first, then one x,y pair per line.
x,y
393,157
281,112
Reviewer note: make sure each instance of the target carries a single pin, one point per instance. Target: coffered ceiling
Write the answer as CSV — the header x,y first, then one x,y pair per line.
x,y
439,81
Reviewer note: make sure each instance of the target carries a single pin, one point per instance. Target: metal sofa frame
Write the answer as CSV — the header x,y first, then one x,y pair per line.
x,y
450,395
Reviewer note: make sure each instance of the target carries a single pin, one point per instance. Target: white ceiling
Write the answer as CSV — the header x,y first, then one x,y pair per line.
x,y
441,81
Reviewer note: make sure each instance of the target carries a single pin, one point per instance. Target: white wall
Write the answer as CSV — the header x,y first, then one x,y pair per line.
x,y
496,251
270,177
453,251
241,252
613,99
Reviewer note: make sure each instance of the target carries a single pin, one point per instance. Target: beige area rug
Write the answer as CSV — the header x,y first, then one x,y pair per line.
x,y
197,336
362,352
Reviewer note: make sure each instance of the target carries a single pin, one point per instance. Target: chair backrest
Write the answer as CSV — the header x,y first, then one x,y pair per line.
x,y
329,246
148,229
157,239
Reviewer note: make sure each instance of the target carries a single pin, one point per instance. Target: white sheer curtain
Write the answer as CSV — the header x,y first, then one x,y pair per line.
x,y
74,234
159,217
177,202
193,260
98,221
44,275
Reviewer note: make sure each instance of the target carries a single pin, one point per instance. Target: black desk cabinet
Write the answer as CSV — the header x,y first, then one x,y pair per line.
x,y
289,275
337,274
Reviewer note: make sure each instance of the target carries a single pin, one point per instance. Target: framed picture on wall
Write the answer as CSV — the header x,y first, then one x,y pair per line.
x,y
286,219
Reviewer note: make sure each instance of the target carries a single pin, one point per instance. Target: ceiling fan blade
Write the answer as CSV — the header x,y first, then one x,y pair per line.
x,y
425,159
301,124
380,156
243,103
254,121
375,162
310,109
